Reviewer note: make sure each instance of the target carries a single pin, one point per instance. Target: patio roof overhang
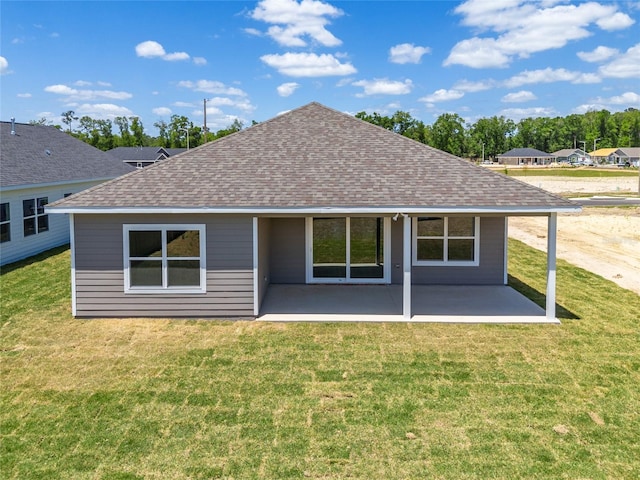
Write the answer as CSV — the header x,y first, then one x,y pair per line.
x,y
515,210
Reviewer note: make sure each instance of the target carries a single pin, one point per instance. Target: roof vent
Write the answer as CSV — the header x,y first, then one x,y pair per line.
x,y
13,125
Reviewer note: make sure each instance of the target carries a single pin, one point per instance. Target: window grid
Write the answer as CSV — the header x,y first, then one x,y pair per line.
x,y
445,239
5,222
164,259
34,219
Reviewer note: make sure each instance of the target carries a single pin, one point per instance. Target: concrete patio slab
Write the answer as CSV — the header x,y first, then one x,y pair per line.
x,y
383,303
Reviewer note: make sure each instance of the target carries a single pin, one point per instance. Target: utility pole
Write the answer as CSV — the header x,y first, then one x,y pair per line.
x,y
205,119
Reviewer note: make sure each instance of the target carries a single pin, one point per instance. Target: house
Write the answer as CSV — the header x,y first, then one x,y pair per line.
x,y
571,155
311,197
38,165
141,157
631,155
525,156
611,156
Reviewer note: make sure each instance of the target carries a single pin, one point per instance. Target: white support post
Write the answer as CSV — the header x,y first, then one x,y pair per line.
x,y
406,268
256,282
72,247
551,265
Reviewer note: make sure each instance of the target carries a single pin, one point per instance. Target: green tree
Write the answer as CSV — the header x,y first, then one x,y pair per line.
x,y
448,134
126,139
68,118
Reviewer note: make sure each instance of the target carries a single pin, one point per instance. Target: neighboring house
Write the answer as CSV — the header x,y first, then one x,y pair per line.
x,y
525,156
38,165
630,156
313,196
141,157
611,156
571,155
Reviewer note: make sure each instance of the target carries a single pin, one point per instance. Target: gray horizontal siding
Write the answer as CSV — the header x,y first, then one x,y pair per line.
x,y
100,275
287,250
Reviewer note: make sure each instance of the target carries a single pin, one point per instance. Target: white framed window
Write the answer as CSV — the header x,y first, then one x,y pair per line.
x,y
446,241
34,219
5,222
164,258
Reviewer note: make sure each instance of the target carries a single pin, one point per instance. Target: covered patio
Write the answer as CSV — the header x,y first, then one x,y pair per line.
x,y
384,303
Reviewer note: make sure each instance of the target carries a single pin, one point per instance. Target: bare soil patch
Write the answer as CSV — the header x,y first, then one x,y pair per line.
x,y
579,185
605,241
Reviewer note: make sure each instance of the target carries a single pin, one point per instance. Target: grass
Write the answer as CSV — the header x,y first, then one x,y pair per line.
x,y
567,172
195,399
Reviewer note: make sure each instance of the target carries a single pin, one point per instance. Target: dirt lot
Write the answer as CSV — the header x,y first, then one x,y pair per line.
x,y
605,241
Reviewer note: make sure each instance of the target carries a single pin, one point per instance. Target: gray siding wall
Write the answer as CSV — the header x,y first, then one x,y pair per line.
x,y
287,250
264,274
489,272
100,275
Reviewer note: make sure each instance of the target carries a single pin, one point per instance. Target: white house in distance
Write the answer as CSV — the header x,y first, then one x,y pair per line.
x,y
38,165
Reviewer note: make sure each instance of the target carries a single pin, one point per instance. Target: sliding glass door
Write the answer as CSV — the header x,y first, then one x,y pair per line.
x,y
348,249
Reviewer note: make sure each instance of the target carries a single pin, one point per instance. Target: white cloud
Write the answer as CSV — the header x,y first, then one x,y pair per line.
x,y
519,97
82,83
407,53
468,86
84,95
617,102
308,18
162,111
442,95
240,103
253,31
308,65
522,27
152,49
383,86
24,95
211,86
550,75
520,113
103,110
626,65
600,54
4,66
199,61
287,89
617,21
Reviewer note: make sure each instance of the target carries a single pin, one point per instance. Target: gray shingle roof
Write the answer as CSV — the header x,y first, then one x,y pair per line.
x,y
39,154
141,154
313,157
525,153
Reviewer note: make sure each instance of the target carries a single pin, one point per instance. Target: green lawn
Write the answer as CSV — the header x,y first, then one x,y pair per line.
x,y
195,399
567,172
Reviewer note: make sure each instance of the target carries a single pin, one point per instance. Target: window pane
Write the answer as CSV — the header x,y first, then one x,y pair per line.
x,y
29,226
461,250
5,232
41,203
184,273
145,273
5,214
28,208
430,227
329,247
430,249
145,243
461,226
183,243
43,223
367,247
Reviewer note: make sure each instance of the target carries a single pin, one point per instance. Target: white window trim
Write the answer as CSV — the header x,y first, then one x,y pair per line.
x,y
8,220
201,228
446,263
36,216
386,268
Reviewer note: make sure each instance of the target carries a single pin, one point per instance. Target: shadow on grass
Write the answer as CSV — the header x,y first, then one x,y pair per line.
x,y
10,267
539,298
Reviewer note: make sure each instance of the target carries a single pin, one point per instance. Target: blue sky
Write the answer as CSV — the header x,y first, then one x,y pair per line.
x,y
254,60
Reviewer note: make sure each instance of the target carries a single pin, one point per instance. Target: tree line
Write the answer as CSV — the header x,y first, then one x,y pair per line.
x,y
179,132
484,139
488,137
